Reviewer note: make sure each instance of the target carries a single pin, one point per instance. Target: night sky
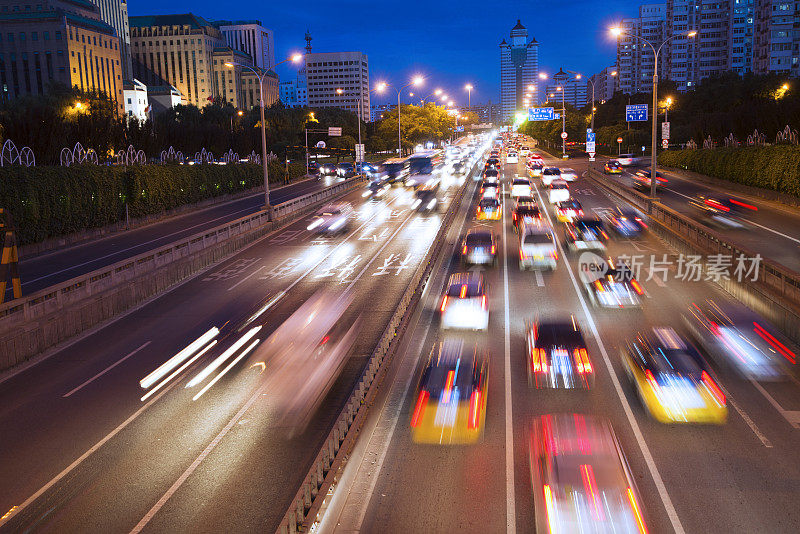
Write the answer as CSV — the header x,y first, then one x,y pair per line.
x,y
451,43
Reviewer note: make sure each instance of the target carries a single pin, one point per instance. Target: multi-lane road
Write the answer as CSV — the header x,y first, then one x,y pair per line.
x,y
39,272
81,450
740,477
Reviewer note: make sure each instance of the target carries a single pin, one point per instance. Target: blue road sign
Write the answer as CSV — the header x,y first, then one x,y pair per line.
x,y
636,112
459,128
590,137
540,114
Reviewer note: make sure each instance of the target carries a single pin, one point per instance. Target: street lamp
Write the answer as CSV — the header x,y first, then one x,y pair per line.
x,y
578,77
468,87
667,105
416,81
435,93
616,32
563,122
261,74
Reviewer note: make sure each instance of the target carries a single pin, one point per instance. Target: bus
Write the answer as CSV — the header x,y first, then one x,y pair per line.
x,y
394,170
425,166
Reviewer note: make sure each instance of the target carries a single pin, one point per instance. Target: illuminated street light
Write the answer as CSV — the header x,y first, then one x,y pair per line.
x,y
468,87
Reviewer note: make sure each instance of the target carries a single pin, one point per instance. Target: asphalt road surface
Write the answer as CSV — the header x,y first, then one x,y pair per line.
x,y
739,477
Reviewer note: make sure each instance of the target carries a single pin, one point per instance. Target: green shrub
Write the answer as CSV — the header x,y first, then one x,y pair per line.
x,y
768,167
48,202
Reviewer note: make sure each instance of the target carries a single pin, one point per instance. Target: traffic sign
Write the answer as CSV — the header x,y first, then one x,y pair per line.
x,y
636,112
619,139
590,137
557,116
665,143
540,114
563,135
590,146
588,130
664,130
591,156
334,131
459,128
321,144
359,152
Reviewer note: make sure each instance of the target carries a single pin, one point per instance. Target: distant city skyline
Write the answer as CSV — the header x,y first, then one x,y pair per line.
x,y
450,43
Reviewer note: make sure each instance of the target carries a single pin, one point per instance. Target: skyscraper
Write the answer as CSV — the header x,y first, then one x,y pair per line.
x,y
519,71
777,41
250,37
635,58
348,71
115,14
574,90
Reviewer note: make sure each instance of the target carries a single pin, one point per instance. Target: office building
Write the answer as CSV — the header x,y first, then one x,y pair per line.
x,y
740,41
519,71
63,41
228,80
250,37
115,14
777,40
325,72
251,93
691,59
294,93
574,90
605,85
137,105
635,59
377,111
177,51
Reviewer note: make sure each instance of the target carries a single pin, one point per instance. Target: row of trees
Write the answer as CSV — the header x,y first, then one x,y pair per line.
x,y
64,116
716,107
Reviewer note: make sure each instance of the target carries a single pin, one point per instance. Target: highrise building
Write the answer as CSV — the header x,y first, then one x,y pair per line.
x,y
777,40
519,71
115,14
177,51
574,90
251,37
325,72
63,41
635,59
740,39
605,85
691,59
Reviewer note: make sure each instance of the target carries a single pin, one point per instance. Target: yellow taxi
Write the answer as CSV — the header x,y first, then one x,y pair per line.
x,y
612,167
489,209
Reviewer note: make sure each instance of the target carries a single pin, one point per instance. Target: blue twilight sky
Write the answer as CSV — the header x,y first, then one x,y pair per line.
x,y
450,42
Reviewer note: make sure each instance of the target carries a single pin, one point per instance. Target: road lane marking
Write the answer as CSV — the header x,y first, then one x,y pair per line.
x,y
771,230
659,282
243,280
637,432
793,417
104,371
539,278
85,455
191,469
511,512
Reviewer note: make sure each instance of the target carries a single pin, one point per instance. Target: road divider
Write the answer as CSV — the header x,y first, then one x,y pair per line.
x,y
775,293
37,322
318,485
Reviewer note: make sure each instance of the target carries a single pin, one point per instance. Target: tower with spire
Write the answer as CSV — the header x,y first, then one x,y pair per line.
x,y
519,71
308,41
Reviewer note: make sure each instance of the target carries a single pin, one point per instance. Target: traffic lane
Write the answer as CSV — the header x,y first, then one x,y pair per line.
x,y
39,272
83,508
710,457
442,488
258,466
34,408
773,233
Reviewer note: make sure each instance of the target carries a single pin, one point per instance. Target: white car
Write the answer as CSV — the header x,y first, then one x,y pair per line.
x,y
464,304
537,245
512,157
549,174
521,187
569,174
559,191
332,218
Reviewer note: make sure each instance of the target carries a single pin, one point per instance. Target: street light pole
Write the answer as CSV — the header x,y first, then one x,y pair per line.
x,y
563,123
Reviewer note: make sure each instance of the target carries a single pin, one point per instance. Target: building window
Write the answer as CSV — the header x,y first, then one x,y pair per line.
x,y
46,36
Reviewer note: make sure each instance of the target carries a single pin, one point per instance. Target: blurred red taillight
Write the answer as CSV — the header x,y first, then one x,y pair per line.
x,y
464,250
474,410
582,361
636,512
419,409
444,304
484,303
637,287
713,388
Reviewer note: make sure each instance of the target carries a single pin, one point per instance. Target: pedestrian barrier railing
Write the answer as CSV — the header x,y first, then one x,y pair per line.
x,y
35,322
321,479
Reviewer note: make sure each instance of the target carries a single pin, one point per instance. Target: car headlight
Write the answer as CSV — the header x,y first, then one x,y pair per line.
x,y
314,224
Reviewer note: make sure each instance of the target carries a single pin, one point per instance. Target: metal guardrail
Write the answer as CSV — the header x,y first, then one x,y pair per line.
x,y
327,466
36,311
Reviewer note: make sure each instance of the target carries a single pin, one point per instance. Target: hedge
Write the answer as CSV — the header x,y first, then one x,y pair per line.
x,y
48,202
774,167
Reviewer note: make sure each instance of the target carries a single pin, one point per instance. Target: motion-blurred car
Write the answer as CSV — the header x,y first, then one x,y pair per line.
x,y
491,175
521,187
568,174
627,160
425,199
549,174
490,190
617,288
612,167
332,218
740,339
722,210
327,169
489,209
464,304
459,169
672,380
512,157
586,233
479,248
367,169
523,211
376,189
641,180
535,169
558,191
626,223
557,355
537,245
581,481
492,163
395,170
568,210
345,170
451,396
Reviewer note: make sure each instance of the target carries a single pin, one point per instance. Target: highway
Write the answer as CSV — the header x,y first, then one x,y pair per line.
x,y
739,477
39,272
81,450
773,229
